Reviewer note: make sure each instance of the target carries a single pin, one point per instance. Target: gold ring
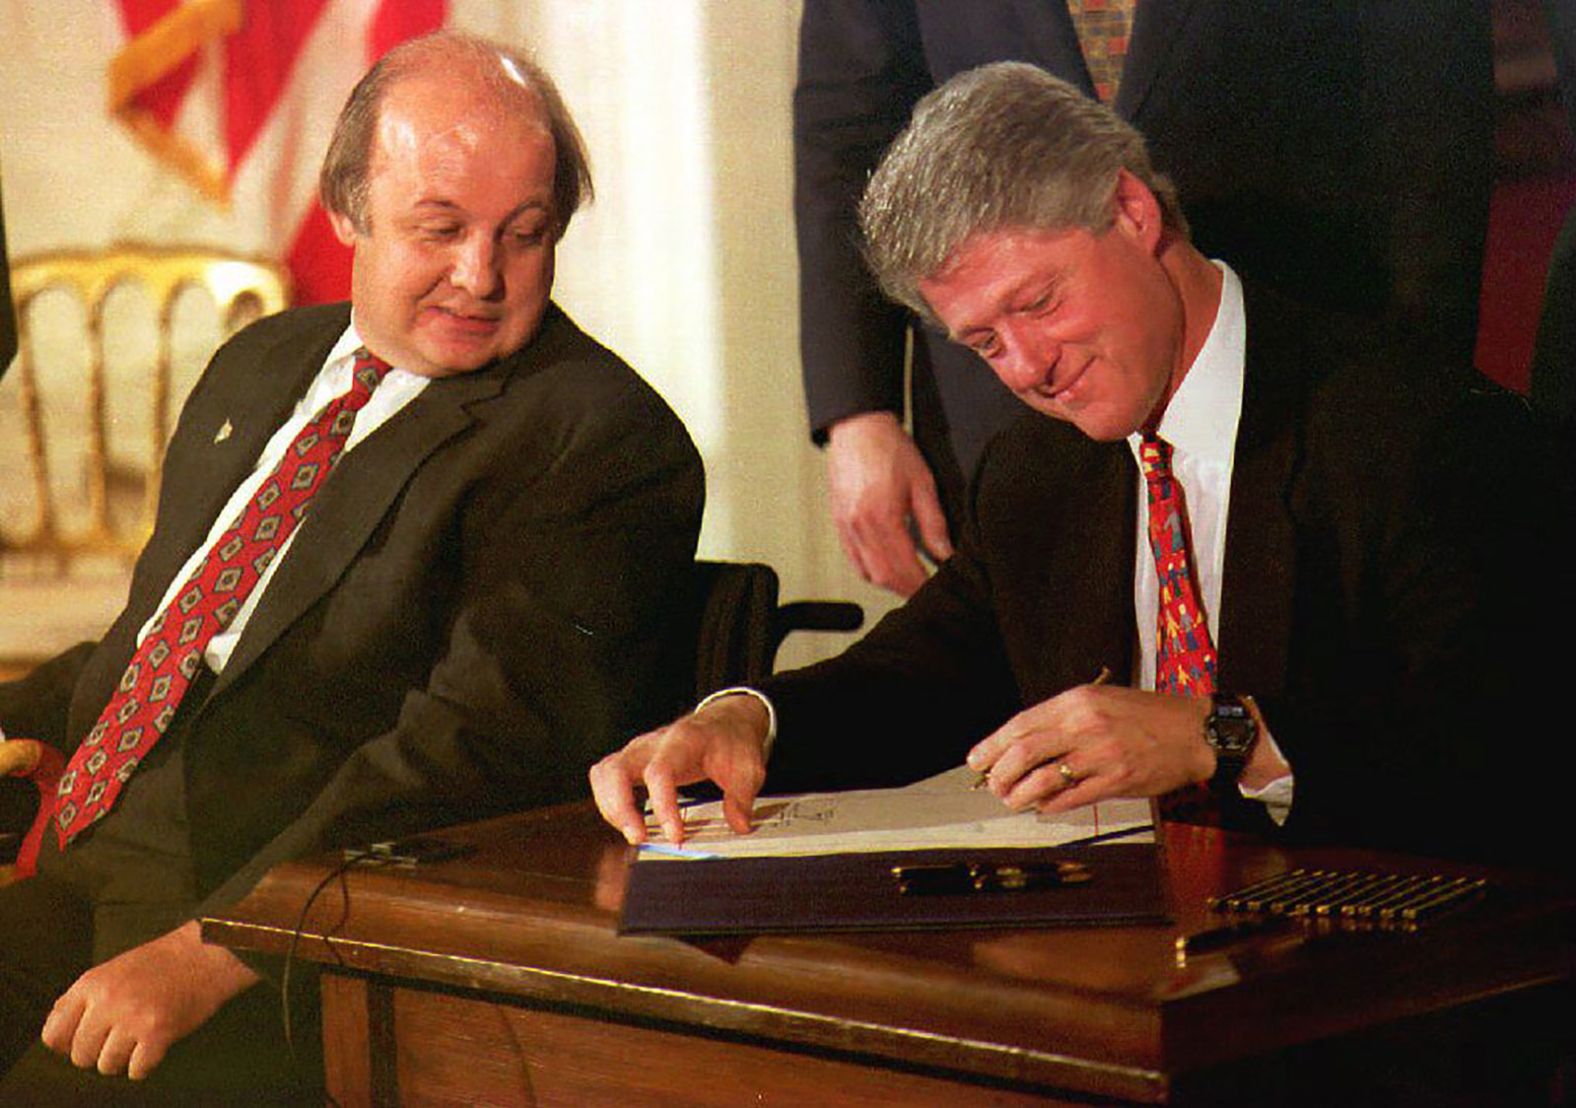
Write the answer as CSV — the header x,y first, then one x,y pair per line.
x,y
1069,778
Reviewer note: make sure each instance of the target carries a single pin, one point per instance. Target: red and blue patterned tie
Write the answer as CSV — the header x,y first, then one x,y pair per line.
x,y
1184,650
162,669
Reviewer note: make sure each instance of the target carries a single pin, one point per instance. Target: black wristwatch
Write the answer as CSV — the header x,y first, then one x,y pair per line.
x,y
1230,729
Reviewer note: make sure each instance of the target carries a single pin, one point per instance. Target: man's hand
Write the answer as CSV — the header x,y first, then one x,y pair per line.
x,y
124,1015
1113,741
721,743
878,480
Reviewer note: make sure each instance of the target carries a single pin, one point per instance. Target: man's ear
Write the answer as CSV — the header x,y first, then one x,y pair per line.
x,y
344,229
1137,211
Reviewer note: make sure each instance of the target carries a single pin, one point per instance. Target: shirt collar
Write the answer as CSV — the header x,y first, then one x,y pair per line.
x,y
1201,419
349,342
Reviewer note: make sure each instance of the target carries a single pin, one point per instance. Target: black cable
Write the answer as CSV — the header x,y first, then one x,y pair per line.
x,y
351,860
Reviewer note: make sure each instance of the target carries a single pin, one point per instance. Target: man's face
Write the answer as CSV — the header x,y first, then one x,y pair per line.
x,y
454,267
1082,327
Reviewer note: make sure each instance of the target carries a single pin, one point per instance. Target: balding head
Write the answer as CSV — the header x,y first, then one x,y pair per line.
x,y
499,79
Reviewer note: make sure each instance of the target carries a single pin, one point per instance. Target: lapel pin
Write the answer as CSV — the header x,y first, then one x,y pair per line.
x,y
223,433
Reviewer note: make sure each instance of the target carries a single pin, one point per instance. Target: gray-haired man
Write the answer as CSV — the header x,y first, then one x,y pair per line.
x,y
1307,608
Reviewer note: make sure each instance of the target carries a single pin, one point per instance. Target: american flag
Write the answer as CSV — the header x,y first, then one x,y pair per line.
x,y
240,97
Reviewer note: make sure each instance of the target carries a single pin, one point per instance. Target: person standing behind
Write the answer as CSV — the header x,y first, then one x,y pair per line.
x,y
1340,152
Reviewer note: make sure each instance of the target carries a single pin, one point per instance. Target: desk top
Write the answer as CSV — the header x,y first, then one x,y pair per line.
x,y
1104,1011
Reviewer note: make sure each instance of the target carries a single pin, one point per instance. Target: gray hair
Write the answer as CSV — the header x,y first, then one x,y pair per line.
x,y
1004,145
516,82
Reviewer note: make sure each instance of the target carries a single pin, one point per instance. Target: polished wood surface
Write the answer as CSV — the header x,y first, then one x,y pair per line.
x,y
502,972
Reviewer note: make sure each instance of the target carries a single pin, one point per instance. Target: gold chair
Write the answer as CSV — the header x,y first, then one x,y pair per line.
x,y
65,562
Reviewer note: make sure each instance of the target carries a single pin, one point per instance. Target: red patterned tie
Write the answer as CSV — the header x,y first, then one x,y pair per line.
x,y
162,669
1184,651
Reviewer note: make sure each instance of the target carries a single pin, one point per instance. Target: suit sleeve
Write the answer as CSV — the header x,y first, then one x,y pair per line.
x,y
558,635
1425,724
906,701
861,68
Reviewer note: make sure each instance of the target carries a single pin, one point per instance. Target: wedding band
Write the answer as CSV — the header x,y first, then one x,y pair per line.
x,y
1069,778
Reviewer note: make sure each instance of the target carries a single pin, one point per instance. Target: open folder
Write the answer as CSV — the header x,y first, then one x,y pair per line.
x,y
939,812
829,861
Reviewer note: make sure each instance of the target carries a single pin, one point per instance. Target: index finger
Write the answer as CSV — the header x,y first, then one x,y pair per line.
x,y
614,794
985,753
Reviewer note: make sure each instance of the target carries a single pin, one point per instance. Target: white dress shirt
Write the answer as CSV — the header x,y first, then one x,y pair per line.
x,y
397,389
1200,423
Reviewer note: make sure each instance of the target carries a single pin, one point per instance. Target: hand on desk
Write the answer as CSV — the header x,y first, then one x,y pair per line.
x,y
1113,741
721,743
877,480
124,1015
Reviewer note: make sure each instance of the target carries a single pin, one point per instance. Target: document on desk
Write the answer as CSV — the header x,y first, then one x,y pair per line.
x,y
940,812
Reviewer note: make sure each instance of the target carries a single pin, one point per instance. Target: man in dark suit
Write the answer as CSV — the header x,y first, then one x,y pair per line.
x,y
1359,538
474,608
1340,152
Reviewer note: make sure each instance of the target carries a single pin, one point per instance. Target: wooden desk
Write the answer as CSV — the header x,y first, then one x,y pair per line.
x,y
498,979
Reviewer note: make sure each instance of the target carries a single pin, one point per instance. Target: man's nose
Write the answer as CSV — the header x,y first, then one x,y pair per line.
x,y
476,267
1025,359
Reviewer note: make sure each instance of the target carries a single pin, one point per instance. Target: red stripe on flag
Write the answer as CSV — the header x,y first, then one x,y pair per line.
x,y
163,98
397,20
319,263
258,61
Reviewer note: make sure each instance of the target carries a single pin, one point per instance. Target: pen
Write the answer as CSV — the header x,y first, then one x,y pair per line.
x,y
1218,938
1100,678
964,877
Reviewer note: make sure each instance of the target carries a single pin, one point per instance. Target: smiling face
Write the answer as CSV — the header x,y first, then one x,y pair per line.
x,y
1083,326
454,265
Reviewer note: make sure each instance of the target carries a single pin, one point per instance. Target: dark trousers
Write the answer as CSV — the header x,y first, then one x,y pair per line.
x,y
124,882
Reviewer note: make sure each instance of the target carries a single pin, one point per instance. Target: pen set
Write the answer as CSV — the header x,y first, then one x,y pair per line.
x,y
1319,902
951,878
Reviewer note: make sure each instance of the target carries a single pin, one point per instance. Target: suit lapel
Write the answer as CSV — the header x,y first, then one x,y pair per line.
x,y
1157,27
1051,31
1071,563
1102,623
233,426
1260,565
353,501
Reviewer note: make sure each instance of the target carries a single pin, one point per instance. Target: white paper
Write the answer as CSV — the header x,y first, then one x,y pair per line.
x,y
941,811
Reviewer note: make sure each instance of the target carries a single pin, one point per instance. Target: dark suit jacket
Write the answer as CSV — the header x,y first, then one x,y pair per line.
x,y
1341,151
1385,582
474,610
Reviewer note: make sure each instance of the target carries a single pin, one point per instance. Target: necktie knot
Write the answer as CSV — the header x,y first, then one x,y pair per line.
x,y
367,372
1154,457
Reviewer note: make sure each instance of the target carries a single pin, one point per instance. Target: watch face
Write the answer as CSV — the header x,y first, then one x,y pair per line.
x,y
1230,729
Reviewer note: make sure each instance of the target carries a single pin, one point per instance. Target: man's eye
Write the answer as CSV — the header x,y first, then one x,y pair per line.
x,y
439,232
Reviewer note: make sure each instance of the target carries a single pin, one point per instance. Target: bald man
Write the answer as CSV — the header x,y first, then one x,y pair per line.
x,y
470,614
